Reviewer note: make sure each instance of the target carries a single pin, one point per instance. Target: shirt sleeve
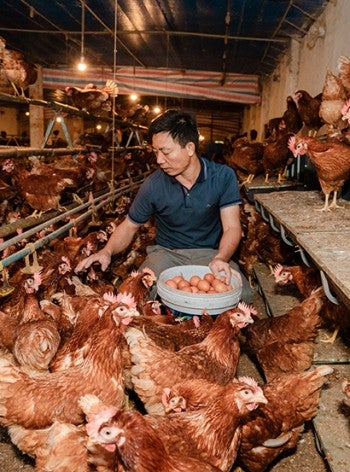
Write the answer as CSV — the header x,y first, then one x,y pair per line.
x,y
142,207
231,194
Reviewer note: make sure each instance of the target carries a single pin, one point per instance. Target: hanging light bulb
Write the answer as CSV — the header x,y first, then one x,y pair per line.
x,y
82,64
133,96
157,108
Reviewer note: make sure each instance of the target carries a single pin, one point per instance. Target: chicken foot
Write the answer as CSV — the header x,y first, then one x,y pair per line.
x,y
280,177
327,206
331,339
36,214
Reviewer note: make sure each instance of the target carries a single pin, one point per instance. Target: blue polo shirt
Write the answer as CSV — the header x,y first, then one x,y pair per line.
x,y
187,218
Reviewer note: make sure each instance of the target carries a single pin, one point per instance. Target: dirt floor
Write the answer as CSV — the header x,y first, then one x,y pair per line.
x,y
306,458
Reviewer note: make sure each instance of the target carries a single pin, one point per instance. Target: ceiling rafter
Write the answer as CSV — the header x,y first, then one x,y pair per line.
x,y
96,16
223,37
152,32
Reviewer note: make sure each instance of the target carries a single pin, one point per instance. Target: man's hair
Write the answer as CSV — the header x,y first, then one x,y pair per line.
x,y
181,126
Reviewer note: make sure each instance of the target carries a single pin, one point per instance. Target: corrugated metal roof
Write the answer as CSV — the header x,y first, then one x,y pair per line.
x,y
179,37
244,37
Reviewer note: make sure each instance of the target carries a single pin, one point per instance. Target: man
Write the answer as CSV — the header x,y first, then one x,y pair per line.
x,y
195,204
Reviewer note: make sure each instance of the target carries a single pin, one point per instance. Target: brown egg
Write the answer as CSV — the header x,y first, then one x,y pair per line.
x,y
209,277
177,278
194,289
220,287
203,285
182,284
215,282
194,280
186,289
171,283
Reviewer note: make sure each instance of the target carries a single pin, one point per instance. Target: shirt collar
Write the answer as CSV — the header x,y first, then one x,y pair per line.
x,y
203,174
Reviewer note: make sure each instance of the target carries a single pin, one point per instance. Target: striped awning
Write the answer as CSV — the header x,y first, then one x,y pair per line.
x,y
189,84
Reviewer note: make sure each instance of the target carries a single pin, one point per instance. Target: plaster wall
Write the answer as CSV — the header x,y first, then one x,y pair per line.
x,y
304,66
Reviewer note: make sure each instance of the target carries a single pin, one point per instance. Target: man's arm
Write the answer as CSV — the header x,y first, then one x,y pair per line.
x,y
229,242
119,240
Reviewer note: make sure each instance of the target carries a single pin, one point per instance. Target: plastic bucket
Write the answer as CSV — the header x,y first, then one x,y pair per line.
x,y
193,303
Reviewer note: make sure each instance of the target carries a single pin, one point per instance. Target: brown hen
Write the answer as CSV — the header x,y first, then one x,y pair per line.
x,y
285,344
61,446
36,402
41,192
276,156
138,447
275,427
87,311
139,284
210,435
37,334
331,161
215,358
92,98
309,110
246,158
30,334
333,99
306,279
291,118
14,69
175,336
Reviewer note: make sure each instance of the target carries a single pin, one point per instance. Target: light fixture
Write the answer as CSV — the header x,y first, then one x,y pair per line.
x,y
58,119
98,126
133,96
82,64
27,113
157,108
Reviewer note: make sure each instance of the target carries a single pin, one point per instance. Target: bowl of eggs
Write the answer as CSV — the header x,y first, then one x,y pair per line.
x,y
191,289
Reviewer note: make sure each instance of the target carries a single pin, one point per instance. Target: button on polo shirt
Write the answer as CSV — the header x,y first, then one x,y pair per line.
x,y
187,218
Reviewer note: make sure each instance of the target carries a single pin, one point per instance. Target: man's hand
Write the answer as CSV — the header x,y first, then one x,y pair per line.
x,y
219,265
102,257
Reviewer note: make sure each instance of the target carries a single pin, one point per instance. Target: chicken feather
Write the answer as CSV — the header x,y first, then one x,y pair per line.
x,y
37,402
207,435
331,161
285,344
214,358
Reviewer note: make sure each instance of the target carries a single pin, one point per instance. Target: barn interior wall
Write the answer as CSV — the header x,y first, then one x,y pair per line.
x,y
9,120
304,66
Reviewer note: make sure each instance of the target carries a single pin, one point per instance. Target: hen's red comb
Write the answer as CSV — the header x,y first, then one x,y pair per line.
x,y
126,298
291,143
247,309
249,381
277,270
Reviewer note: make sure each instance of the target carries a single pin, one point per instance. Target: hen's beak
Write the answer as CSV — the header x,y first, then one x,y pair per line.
x,y
247,320
258,398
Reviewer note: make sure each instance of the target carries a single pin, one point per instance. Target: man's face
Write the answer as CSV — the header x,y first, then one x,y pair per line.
x,y
171,157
